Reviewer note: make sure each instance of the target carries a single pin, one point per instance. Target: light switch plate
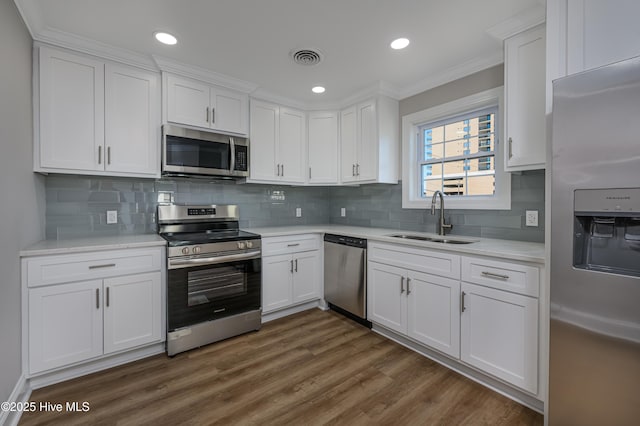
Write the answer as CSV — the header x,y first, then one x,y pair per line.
x,y
531,218
298,212
343,212
112,216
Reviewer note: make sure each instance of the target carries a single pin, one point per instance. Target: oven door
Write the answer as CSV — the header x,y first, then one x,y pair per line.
x,y
210,290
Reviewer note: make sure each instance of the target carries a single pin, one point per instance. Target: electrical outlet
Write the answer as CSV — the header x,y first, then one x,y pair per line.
x,y
112,216
531,218
298,212
343,212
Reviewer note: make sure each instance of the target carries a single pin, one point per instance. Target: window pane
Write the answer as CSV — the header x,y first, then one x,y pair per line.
x,y
482,164
481,185
429,186
433,151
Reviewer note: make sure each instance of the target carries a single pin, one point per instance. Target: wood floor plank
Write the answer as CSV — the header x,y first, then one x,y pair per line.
x,y
312,368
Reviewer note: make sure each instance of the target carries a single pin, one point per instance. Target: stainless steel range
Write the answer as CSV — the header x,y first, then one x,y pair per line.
x,y
213,277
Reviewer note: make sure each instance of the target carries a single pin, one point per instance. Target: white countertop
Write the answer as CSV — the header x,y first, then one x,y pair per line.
x,y
505,249
80,245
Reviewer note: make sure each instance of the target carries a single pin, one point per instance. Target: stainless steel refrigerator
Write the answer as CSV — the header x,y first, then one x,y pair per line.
x,y
594,353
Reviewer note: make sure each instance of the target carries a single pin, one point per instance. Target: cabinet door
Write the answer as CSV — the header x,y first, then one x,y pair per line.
x,y
323,147
367,147
499,334
386,299
264,134
65,324
306,276
434,312
348,143
525,117
71,111
132,120
188,102
292,145
229,111
132,311
277,274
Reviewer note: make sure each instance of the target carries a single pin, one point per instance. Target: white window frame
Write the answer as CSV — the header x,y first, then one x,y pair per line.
x,y
411,182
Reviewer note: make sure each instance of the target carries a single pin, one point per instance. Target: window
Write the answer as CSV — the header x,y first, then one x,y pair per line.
x,y
454,148
457,155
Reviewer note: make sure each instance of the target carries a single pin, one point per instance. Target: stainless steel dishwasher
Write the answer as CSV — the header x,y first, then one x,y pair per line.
x,y
345,273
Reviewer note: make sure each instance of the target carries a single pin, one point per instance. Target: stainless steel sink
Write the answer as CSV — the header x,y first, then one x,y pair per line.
x,y
430,239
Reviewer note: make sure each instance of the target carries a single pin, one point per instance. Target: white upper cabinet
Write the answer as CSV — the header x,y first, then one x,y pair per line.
x,y
525,120
96,117
369,142
601,32
323,147
194,103
278,142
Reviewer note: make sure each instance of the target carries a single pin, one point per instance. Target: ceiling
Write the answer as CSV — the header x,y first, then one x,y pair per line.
x,y
250,40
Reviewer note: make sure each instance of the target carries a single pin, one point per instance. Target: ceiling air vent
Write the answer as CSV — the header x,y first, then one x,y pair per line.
x,y
306,56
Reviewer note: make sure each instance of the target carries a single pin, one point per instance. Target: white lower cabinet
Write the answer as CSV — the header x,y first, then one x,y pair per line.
x,y
482,312
499,334
70,322
293,277
421,306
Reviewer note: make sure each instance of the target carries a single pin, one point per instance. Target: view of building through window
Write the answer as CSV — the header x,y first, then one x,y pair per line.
x,y
458,156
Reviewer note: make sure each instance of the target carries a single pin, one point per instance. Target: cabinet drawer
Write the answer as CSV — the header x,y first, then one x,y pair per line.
x,y
514,277
290,244
46,270
421,260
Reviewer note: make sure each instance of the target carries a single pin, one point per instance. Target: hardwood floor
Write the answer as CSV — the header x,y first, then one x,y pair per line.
x,y
311,368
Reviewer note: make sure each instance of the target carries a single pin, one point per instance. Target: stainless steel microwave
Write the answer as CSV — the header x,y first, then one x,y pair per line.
x,y
189,152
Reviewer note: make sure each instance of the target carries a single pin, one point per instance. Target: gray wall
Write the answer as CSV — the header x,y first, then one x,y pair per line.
x,y
22,192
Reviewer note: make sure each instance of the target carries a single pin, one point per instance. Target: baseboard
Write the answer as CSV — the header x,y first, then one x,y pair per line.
x,y
46,379
477,376
20,394
293,310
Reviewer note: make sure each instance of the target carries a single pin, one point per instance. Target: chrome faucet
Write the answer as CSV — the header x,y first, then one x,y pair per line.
x,y
442,225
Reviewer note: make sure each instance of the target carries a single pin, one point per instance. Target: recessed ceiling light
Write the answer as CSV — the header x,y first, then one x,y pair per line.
x,y
318,89
399,43
165,38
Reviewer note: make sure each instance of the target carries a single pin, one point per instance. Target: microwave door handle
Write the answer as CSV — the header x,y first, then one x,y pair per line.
x,y
232,161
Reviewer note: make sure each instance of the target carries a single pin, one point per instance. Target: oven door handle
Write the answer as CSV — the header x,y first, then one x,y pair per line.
x,y
213,260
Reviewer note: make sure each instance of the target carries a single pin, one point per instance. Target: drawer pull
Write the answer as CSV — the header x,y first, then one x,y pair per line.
x,y
495,276
408,289
107,297
401,285
293,245
106,265
97,298
462,307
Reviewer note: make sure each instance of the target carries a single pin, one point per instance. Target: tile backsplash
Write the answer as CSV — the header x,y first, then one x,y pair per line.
x,y
77,206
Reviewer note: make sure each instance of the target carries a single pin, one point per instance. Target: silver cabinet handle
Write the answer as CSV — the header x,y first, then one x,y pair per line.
x,y
495,276
282,170
510,147
97,298
291,269
353,170
309,172
293,245
401,285
213,115
462,307
99,155
357,169
106,265
108,155
296,265
207,119
408,289
107,297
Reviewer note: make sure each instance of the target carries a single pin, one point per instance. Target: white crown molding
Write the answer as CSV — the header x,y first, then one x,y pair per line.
x,y
454,73
516,24
93,47
265,95
203,74
30,15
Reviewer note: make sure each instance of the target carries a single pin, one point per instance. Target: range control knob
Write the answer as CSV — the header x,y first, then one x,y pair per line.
x,y
185,250
196,250
249,244
242,245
